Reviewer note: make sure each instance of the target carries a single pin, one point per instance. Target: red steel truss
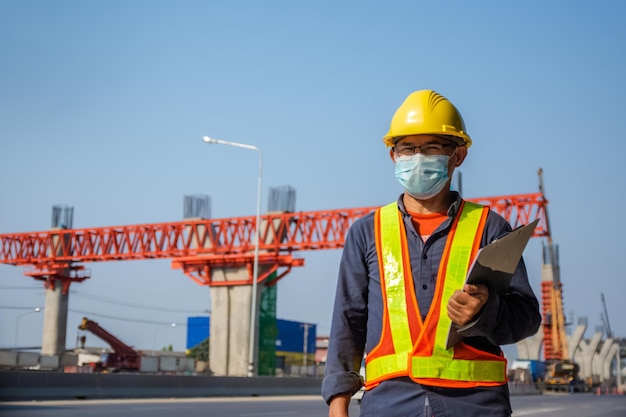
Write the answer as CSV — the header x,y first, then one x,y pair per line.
x,y
197,246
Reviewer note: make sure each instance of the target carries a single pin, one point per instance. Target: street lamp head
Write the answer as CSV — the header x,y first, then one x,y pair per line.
x,y
37,309
209,140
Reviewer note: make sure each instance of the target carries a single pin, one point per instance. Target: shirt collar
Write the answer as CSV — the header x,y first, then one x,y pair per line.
x,y
452,210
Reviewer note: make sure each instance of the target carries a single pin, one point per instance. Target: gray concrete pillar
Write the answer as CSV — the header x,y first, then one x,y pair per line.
x,y
586,352
54,320
230,312
574,341
610,357
230,322
599,358
55,309
530,348
229,344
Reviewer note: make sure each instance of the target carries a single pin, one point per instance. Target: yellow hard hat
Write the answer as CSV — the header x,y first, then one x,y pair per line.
x,y
427,112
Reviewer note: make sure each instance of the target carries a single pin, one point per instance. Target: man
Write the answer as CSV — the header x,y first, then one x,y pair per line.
x,y
401,287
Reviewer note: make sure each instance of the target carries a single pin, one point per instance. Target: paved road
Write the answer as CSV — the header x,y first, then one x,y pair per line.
x,y
577,405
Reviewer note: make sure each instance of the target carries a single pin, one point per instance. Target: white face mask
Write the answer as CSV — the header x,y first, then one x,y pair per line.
x,y
422,176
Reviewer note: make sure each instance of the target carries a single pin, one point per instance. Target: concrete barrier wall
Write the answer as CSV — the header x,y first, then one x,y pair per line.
x,y
14,360
44,385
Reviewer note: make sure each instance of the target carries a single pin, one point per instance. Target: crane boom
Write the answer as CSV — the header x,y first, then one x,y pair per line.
x,y
555,337
605,318
123,356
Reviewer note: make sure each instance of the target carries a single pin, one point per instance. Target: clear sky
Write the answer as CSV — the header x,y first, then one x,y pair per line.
x,y
103,106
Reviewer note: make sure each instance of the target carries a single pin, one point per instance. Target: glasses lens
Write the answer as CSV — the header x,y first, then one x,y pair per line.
x,y
405,150
432,149
426,149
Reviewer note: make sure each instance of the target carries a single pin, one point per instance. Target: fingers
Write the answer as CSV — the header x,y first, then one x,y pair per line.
x,y
458,309
464,305
476,290
455,311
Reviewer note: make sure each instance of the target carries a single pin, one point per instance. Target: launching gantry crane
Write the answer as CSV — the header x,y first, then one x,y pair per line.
x,y
196,246
204,248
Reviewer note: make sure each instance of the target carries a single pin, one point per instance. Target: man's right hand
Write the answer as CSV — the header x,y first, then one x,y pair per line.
x,y
339,405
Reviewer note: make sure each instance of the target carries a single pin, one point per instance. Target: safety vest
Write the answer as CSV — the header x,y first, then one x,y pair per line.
x,y
409,346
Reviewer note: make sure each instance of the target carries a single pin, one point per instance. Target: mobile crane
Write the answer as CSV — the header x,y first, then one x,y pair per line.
x,y
562,373
123,357
605,318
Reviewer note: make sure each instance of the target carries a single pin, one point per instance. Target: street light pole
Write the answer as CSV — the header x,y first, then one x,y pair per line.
x,y
17,320
255,273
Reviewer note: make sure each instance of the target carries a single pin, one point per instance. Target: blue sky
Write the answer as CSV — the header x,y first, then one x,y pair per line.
x,y
103,106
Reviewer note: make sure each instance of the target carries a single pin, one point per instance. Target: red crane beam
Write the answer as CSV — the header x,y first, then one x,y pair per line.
x,y
123,357
197,245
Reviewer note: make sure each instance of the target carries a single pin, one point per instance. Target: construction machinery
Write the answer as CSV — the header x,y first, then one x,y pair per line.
x,y
562,373
123,357
207,250
605,318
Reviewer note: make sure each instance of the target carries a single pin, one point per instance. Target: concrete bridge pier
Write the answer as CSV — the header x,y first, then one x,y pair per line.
x,y
612,355
530,348
586,352
229,345
56,302
599,358
575,339
54,319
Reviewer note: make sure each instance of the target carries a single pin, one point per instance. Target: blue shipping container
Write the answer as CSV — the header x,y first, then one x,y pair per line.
x,y
197,330
291,336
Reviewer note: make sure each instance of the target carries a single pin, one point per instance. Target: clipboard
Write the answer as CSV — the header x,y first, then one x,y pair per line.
x,y
495,264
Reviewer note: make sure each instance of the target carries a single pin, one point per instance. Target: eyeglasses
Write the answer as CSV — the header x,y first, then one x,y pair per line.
x,y
426,149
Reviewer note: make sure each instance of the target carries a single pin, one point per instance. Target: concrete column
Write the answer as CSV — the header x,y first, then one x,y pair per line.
x,y
586,352
574,341
530,348
599,358
229,344
54,320
230,322
230,313
55,311
612,355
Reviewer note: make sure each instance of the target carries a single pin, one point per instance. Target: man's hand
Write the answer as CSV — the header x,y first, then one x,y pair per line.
x,y
464,305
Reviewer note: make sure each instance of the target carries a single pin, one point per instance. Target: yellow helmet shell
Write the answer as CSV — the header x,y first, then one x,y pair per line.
x,y
426,112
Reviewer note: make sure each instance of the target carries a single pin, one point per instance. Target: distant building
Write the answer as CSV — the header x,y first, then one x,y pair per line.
x,y
295,343
321,349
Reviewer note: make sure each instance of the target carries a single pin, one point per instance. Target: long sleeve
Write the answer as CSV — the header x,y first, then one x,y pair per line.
x,y
350,314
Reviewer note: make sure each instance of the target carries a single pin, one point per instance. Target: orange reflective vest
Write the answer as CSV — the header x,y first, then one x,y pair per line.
x,y
409,346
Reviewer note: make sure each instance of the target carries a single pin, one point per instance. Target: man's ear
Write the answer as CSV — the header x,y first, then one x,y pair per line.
x,y
392,155
460,155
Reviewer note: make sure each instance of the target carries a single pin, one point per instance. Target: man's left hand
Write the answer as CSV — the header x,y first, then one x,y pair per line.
x,y
465,305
